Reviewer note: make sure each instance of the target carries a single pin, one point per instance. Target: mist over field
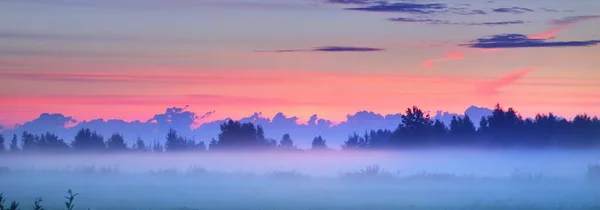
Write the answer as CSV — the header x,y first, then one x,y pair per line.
x,y
412,179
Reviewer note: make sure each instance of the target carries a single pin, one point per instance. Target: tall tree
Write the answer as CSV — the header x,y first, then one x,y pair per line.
x,y
157,147
286,142
353,142
174,142
51,142
319,143
237,135
86,140
2,147
139,145
29,142
116,142
415,128
462,130
14,144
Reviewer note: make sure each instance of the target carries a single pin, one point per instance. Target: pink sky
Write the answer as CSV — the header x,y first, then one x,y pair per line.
x,y
114,61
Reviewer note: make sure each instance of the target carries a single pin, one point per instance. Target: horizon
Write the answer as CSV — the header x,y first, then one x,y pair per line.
x,y
129,60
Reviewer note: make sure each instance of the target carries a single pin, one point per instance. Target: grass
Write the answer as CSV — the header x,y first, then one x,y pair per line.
x,y
37,204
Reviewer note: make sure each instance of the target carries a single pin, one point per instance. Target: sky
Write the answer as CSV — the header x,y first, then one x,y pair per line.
x,y
132,59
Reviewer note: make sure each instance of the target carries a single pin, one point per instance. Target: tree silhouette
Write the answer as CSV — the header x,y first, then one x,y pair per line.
x,y
356,142
504,128
28,141
319,143
286,142
157,147
51,142
86,140
462,130
237,135
213,145
174,142
416,128
379,139
2,147
14,144
139,145
116,143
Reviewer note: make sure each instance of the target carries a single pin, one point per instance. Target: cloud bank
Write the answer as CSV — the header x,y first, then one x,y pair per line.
x,y
523,41
332,49
188,124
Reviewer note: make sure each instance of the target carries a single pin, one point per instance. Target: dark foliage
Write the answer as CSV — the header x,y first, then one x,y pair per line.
x,y
319,143
504,128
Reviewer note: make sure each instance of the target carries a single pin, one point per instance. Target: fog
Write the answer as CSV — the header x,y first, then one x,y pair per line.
x,y
417,179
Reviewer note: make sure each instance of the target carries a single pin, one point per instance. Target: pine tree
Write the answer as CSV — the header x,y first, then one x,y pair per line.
x,y
2,147
14,144
286,142
116,143
319,143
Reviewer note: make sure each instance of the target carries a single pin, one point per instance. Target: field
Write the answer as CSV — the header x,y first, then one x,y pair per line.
x,y
416,180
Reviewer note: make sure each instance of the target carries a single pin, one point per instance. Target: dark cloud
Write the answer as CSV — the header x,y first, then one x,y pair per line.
x,y
332,49
346,49
443,22
469,12
522,41
498,23
512,10
548,10
415,8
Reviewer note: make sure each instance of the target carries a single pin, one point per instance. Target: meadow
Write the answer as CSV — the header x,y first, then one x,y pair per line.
x,y
402,180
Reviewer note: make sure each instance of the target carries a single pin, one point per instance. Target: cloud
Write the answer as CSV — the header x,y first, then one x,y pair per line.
x,y
47,122
450,56
491,87
444,22
414,8
332,49
512,10
469,12
561,25
350,1
548,9
183,120
522,41
574,19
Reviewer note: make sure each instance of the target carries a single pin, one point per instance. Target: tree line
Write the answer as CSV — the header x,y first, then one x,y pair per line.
x,y
504,128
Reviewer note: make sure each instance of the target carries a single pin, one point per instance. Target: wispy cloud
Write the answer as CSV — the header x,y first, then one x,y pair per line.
x,y
548,9
522,41
417,8
450,56
492,87
561,25
444,22
512,10
331,49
